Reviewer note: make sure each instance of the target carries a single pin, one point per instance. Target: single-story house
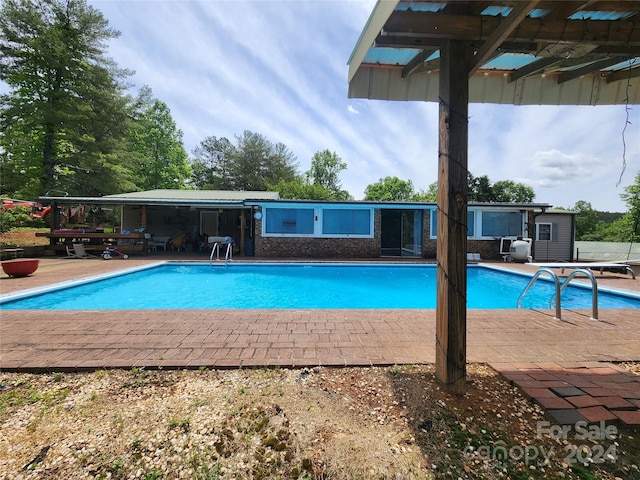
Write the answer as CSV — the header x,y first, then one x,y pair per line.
x,y
368,229
264,225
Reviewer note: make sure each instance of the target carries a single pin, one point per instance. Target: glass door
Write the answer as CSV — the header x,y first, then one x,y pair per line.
x,y
401,233
411,233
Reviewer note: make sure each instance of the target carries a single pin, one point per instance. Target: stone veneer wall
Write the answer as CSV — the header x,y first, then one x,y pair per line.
x,y
305,247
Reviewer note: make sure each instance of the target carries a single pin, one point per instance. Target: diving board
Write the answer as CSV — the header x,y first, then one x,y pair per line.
x,y
590,265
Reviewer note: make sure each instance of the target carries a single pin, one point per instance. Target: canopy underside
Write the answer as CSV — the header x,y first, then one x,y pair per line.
x,y
525,52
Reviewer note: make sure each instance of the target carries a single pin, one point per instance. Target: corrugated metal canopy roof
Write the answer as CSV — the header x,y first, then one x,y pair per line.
x,y
173,197
526,52
201,195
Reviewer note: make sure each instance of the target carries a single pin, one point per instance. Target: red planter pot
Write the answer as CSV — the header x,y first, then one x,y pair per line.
x,y
22,267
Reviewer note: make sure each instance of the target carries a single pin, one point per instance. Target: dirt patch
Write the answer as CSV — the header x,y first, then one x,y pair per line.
x,y
20,238
321,423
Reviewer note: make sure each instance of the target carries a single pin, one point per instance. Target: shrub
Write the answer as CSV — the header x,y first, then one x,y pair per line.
x,y
18,216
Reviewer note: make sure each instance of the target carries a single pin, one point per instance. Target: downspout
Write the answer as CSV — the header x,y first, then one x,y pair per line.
x,y
573,237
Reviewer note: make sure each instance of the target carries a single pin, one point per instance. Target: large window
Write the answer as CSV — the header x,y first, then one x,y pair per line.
x,y
501,224
486,224
346,222
471,223
318,222
293,221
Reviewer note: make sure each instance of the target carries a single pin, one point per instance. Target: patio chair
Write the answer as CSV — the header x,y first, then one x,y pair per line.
x,y
178,243
78,251
156,242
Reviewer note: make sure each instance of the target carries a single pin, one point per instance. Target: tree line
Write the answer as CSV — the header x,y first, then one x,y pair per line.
x,y
596,226
69,124
479,190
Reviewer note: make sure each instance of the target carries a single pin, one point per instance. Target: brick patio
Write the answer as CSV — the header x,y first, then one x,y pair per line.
x,y
565,366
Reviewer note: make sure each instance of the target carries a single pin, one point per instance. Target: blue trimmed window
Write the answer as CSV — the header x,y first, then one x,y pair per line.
x,y
501,224
471,223
292,221
346,222
318,222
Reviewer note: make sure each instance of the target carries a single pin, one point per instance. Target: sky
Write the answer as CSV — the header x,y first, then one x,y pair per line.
x,y
279,68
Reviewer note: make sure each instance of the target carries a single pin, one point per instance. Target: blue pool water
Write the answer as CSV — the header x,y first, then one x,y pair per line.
x,y
292,286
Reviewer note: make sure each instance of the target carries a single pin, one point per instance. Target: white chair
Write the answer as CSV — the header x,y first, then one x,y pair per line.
x,y
156,242
147,240
78,251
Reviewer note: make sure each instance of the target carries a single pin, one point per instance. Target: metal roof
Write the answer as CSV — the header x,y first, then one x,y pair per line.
x,y
203,198
526,52
200,195
398,204
558,211
172,197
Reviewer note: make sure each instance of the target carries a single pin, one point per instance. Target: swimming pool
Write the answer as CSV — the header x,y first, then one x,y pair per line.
x,y
173,285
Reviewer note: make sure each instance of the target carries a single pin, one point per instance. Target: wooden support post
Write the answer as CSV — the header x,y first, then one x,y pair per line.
x,y
143,216
143,221
451,308
243,223
54,220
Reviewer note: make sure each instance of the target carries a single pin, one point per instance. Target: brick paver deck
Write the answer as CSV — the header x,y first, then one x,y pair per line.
x,y
562,365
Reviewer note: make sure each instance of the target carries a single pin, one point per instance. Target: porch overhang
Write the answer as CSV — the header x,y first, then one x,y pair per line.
x,y
572,52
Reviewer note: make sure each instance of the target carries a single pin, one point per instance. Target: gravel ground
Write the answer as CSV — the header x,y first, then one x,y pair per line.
x,y
322,423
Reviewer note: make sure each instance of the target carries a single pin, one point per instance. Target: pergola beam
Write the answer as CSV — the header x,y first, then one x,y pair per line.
x,y
505,28
533,68
626,74
590,68
469,28
416,62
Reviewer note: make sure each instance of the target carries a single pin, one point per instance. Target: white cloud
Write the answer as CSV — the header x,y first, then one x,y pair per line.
x,y
553,168
278,68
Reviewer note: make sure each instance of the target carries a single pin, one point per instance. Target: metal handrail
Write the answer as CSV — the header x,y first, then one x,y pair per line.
x,y
228,253
594,289
216,251
557,294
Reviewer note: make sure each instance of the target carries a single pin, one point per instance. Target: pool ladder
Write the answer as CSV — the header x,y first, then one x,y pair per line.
x,y
560,286
216,251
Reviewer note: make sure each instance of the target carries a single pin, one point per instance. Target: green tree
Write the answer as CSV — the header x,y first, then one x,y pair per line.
x,y
161,157
390,189
325,172
65,113
479,189
627,227
301,189
252,164
632,199
586,219
430,195
320,182
211,164
512,192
